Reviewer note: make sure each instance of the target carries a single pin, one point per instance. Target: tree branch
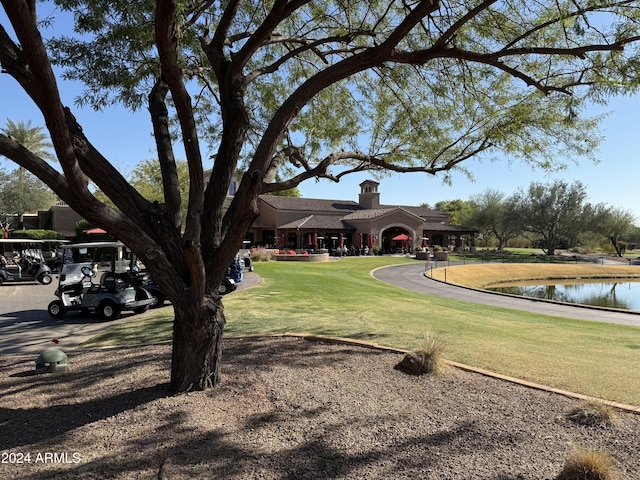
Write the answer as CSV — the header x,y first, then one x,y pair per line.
x,y
160,121
372,57
167,40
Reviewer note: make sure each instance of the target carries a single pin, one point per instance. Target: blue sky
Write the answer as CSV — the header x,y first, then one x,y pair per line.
x,y
125,139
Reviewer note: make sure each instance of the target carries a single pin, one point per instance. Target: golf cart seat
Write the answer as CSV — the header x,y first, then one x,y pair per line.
x,y
112,282
74,288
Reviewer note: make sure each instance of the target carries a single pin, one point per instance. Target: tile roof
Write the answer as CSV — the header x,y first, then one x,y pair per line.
x,y
420,211
309,204
317,222
369,214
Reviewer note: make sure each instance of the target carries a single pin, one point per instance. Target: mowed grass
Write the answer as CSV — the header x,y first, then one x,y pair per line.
x,y
343,299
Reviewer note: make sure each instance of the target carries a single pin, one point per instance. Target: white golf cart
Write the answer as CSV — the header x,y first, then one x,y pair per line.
x,y
22,260
115,292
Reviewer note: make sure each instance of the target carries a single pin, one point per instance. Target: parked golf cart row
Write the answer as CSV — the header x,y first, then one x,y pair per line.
x,y
22,260
123,286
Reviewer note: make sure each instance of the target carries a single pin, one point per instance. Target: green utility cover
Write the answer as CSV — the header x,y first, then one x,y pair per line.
x,y
51,361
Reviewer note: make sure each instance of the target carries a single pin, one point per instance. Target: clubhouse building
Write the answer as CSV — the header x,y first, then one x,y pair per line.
x,y
315,224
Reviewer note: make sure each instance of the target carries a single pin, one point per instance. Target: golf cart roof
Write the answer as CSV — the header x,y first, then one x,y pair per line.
x,y
31,240
93,245
20,240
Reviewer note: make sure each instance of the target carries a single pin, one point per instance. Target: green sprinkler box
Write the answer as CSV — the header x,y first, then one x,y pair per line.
x,y
51,361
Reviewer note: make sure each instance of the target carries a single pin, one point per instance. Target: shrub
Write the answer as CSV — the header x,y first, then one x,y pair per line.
x,y
261,255
594,414
589,465
622,246
37,234
427,360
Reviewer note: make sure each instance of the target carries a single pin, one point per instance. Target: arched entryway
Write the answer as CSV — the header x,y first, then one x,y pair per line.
x,y
397,239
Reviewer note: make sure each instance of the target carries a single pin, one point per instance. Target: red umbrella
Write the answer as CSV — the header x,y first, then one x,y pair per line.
x,y
5,234
424,242
309,239
95,231
315,241
360,241
341,241
282,240
401,237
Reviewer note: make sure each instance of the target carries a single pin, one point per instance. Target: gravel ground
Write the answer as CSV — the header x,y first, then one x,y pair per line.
x,y
287,408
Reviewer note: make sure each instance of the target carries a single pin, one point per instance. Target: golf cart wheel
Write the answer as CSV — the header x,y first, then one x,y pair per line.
x,y
45,279
226,287
56,309
109,310
158,300
141,309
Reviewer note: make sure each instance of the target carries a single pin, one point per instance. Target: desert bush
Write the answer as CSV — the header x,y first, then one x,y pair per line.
x,y
594,414
261,255
622,246
589,465
426,360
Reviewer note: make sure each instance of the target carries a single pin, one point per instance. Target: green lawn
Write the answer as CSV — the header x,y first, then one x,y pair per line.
x,y
342,299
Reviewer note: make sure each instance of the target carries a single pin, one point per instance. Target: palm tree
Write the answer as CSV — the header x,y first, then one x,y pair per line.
x,y
33,139
23,192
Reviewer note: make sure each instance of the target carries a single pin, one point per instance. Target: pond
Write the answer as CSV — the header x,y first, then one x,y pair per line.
x,y
624,293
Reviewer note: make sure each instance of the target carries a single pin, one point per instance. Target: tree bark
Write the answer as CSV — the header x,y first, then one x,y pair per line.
x,y
614,242
197,345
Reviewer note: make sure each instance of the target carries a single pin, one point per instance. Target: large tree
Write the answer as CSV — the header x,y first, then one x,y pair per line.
x,y
21,192
613,223
552,213
33,138
305,90
494,214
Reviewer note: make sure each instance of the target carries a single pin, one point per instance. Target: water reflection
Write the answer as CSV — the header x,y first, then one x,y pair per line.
x,y
621,294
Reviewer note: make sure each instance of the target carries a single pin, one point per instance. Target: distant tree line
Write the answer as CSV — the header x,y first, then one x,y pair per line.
x,y
548,216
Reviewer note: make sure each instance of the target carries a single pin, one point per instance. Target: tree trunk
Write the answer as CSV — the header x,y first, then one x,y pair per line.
x,y
614,242
197,345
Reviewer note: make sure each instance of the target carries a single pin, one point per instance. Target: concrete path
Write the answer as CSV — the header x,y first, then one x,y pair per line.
x,y
411,276
26,327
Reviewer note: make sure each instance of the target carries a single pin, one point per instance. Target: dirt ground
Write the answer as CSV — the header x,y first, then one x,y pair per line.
x,y
287,408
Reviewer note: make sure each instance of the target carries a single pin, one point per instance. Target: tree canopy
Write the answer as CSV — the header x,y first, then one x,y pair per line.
x,y
613,223
301,90
33,138
553,212
494,214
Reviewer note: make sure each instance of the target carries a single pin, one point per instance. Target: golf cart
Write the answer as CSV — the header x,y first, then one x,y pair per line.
x,y
143,279
115,292
21,260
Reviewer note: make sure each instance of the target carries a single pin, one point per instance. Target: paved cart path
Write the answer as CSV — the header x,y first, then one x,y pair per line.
x,y
26,327
411,276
